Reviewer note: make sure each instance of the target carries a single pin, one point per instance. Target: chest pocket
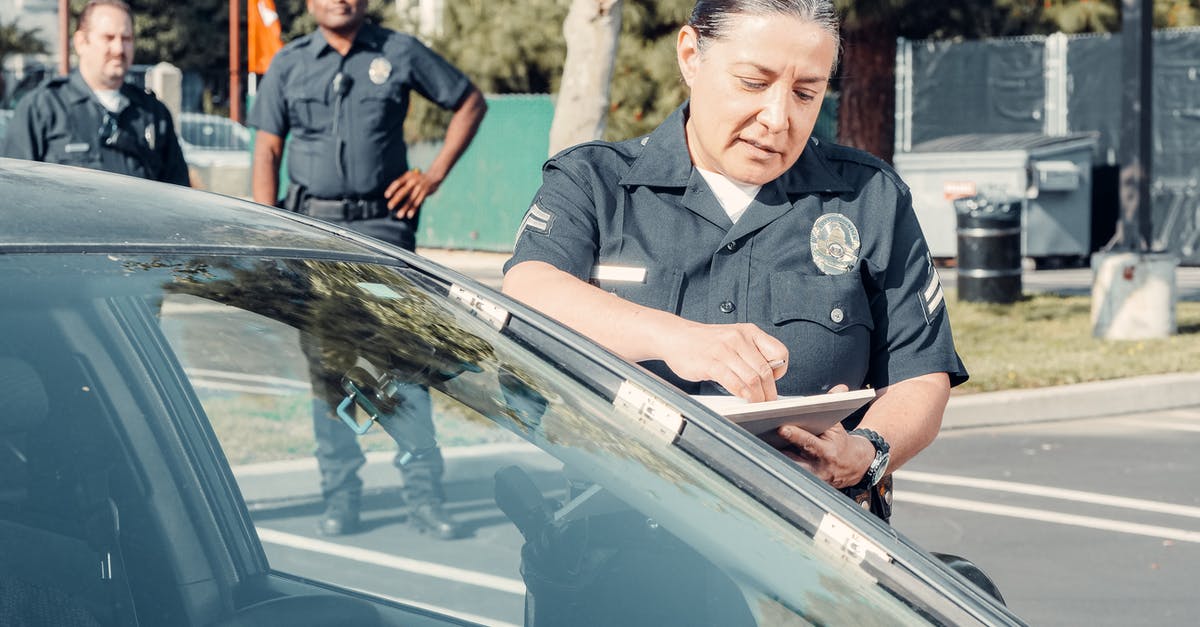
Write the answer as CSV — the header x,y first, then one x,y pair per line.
x,y
660,290
380,106
834,302
310,112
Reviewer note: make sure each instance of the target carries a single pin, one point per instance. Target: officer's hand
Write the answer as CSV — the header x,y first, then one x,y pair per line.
x,y
835,457
406,194
741,358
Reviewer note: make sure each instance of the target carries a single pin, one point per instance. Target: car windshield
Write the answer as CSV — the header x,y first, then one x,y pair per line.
x,y
565,498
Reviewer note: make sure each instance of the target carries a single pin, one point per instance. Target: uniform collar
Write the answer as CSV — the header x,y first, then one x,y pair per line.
x,y
369,36
665,162
80,91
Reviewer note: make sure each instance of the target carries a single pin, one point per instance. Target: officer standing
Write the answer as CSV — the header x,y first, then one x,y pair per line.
x,y
342,92
728,250
91,118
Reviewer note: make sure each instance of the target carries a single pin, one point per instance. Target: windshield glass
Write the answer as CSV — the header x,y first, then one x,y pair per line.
x,y
562,505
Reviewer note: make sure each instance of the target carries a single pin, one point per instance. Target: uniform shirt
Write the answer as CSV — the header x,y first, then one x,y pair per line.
x,y
350,145
867,309
62,121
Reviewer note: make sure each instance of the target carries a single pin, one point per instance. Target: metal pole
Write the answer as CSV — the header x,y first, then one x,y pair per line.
x,y
235,57
1135,154
64,37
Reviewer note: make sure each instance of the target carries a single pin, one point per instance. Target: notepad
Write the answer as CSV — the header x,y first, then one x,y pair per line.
x,y
814,413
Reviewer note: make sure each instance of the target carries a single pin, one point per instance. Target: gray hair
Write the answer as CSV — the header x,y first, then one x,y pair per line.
x,y
713,19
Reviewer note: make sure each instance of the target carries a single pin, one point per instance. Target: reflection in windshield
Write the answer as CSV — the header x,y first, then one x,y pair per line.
x,y
635,527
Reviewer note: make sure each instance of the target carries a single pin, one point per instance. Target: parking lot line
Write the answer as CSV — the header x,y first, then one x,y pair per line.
x,y
395,562
1046,491
1092,522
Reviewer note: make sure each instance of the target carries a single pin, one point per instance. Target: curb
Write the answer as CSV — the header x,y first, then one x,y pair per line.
x,y
1134,395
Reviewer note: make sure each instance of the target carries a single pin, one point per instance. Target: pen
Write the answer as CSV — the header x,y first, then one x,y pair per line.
x,y
777,363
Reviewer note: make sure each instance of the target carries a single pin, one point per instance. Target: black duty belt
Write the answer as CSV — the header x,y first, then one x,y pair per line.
x,y
345,209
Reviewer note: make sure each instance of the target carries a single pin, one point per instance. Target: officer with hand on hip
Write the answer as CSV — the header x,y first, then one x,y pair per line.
x,y
342,92
92,118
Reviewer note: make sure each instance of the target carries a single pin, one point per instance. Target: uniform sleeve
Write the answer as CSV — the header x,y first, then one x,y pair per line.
x,y
175,168
269,111
24,138
435,78
560,226
912,329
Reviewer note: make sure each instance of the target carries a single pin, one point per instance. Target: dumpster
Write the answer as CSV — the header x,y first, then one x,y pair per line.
x,y
989,249
1050,175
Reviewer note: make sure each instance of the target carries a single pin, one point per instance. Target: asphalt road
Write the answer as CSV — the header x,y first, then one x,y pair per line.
x,y
1083,522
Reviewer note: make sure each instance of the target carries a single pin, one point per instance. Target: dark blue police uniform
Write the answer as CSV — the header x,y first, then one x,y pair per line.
x,y
829,258
345,115
346,120
61,121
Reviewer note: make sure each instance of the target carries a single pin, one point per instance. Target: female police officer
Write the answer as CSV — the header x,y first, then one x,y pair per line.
x,y
728,248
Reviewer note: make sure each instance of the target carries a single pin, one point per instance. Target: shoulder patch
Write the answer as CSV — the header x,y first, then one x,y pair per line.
x,y
537,220
932,298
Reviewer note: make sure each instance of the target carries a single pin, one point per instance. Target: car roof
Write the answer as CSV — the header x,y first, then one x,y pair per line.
x,y
47,206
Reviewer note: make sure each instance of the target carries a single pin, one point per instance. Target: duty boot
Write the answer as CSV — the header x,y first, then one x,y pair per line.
x,y
431,517
341,515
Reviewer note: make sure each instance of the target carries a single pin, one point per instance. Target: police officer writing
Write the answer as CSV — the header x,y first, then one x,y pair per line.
x,y
730,250
342,92
92,118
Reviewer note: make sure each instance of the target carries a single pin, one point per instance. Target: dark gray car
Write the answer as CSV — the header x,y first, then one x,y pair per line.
x,y
158,351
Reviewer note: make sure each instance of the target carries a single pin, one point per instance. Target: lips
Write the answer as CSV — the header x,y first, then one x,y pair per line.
x,y
759,147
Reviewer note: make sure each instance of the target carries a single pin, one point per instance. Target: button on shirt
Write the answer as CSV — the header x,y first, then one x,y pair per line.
x,y
352,144
641,204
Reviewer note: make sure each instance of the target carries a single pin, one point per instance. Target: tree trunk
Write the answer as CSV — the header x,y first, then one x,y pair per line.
x,y
591,29
867,105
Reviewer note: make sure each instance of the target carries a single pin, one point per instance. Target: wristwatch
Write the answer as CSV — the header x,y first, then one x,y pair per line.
x,y
878,467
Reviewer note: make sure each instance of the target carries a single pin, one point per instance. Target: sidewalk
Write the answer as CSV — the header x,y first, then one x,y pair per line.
x,y
1101,398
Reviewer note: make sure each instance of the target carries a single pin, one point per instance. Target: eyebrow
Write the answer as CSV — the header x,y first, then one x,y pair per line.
x,y
770,72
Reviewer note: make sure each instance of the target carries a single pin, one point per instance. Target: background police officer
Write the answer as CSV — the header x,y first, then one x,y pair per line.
x,y
342,92
91,118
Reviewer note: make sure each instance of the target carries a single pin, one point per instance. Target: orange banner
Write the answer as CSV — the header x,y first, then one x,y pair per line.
x,y
263,35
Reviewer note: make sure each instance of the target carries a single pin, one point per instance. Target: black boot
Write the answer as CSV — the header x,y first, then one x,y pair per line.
x,y
430,516
341,515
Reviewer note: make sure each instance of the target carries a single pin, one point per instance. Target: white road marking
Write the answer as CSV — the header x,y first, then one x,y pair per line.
x,y
1056,493
375,457
1104,524
395,562
245,376
239,387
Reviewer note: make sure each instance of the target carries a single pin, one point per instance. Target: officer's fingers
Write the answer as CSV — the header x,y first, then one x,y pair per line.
x,y
773,351
804,442
839,388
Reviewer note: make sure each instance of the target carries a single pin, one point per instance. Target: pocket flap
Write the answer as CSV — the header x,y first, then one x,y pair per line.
x,y
834,302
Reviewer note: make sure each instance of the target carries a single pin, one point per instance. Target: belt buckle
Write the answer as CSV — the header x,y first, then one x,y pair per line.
x,y
352,209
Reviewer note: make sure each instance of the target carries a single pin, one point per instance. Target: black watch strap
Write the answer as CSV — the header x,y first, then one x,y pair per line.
x,y
878,467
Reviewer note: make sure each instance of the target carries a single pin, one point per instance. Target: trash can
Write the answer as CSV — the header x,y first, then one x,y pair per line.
x,y
989,249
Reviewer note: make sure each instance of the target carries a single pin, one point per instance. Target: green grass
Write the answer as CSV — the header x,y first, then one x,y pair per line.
x,y
1045,340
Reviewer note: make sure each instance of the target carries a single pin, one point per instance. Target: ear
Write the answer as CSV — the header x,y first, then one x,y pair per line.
x,y
78,39
687,52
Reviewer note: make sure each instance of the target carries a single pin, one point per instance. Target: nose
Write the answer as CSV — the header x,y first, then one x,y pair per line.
x,y
775,110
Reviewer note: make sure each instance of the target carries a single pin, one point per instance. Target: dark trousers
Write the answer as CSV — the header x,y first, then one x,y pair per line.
x,y
338,453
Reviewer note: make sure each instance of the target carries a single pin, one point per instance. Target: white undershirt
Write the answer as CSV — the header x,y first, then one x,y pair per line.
x,y
734,197
110,98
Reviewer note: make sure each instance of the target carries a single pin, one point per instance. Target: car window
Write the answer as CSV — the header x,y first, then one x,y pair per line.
x,y
571,507
213,132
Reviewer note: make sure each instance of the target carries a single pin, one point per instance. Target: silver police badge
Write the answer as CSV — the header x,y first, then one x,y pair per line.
x,y
380,70
834,243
